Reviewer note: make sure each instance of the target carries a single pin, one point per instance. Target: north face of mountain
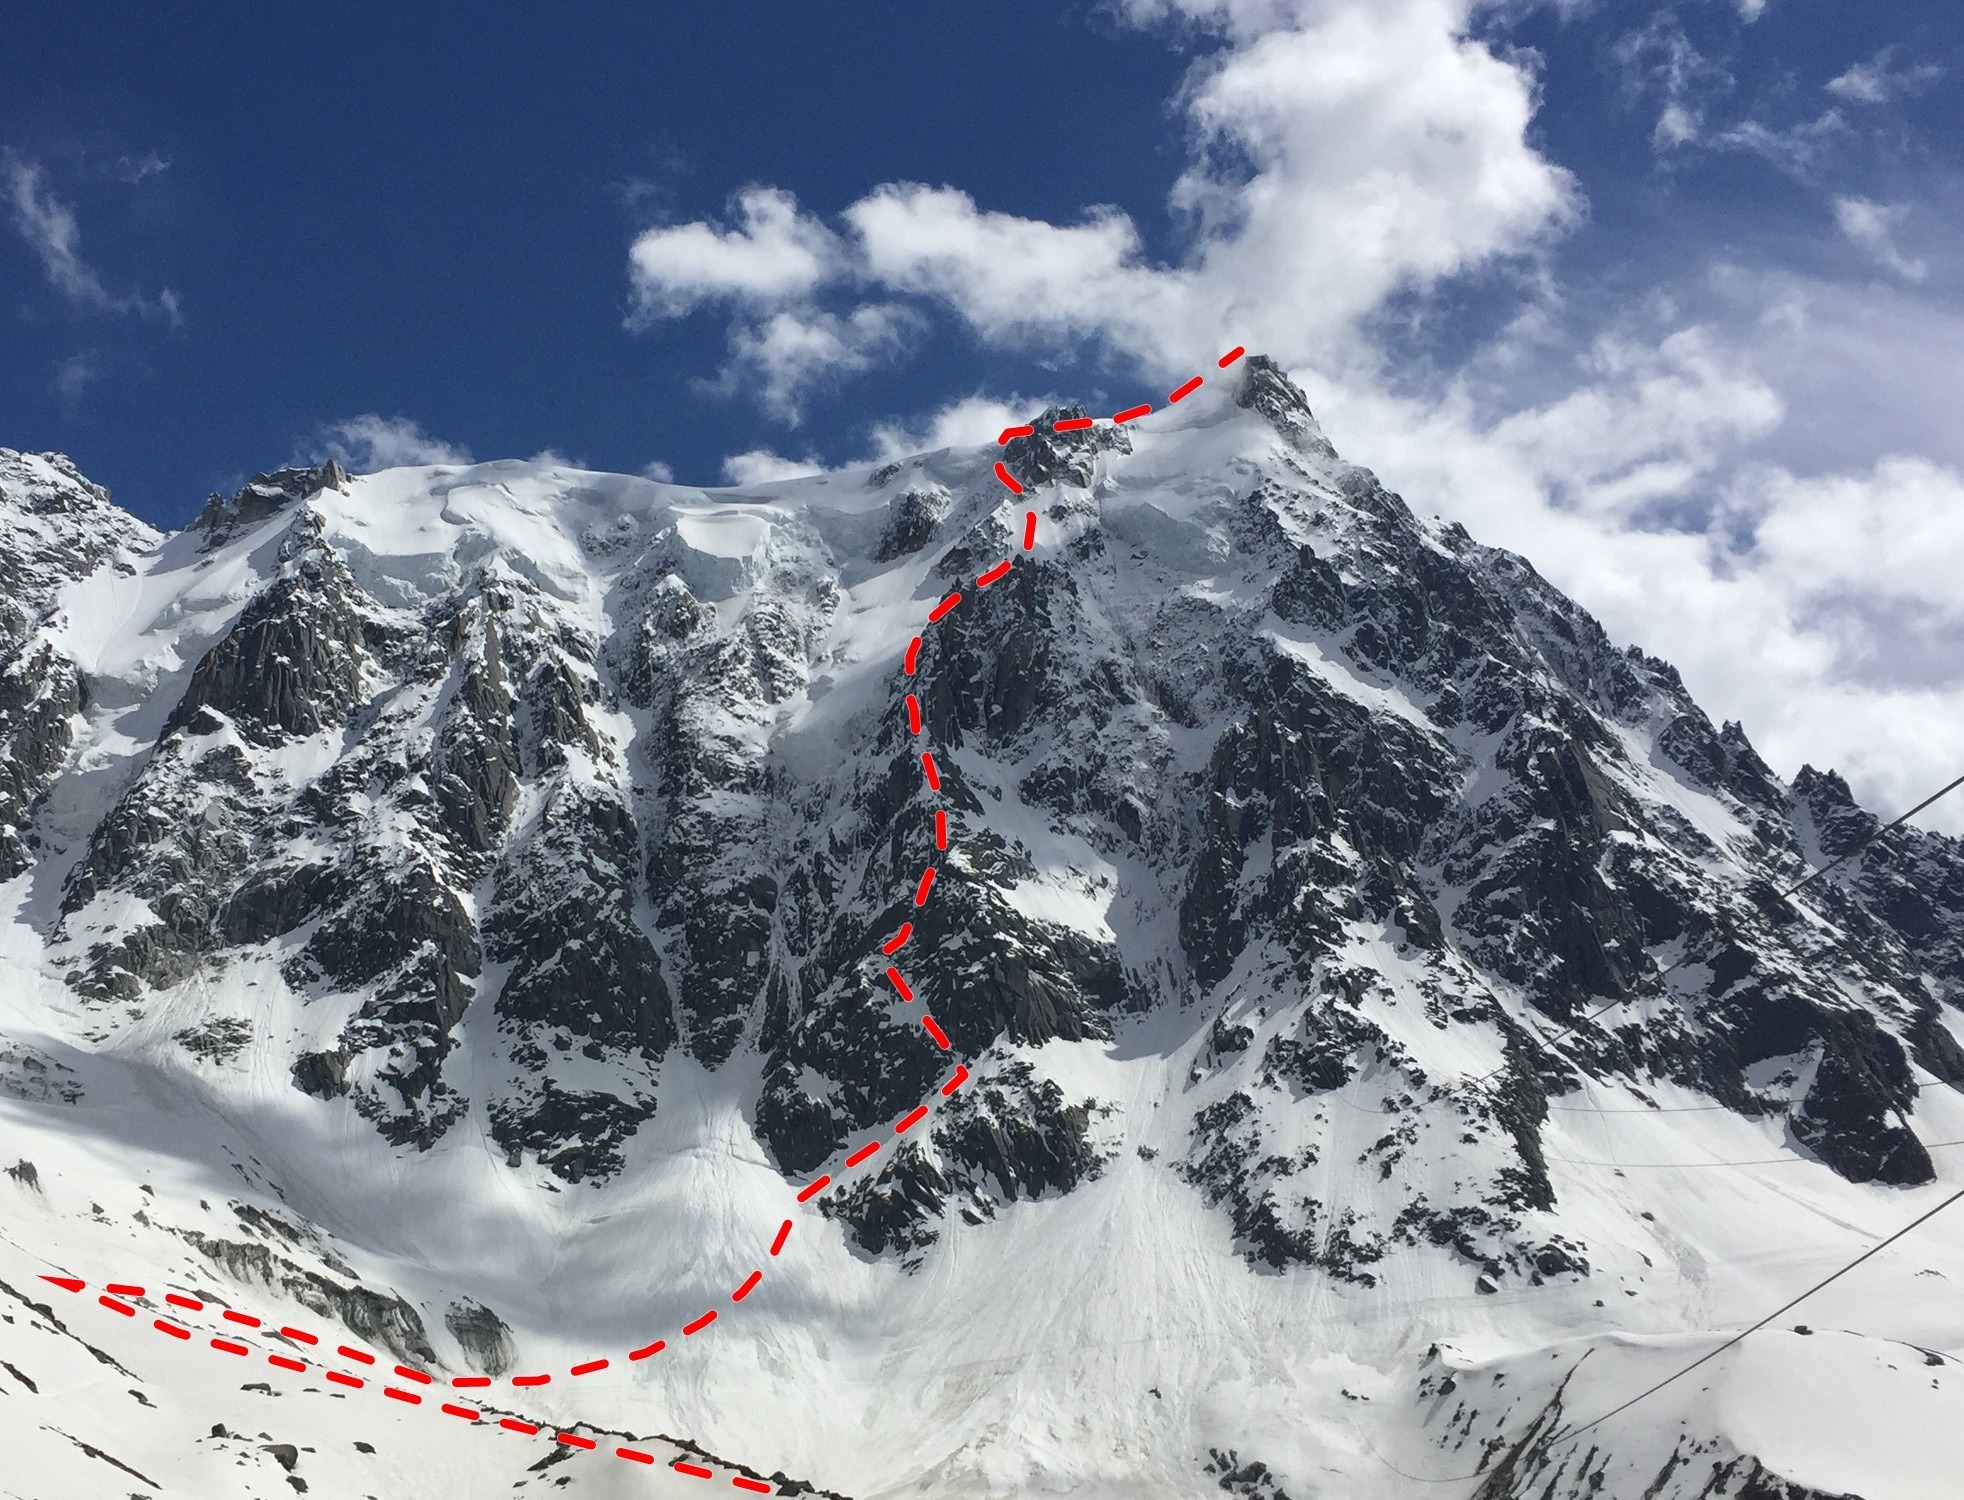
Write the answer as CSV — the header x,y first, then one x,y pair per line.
x,y
1326,866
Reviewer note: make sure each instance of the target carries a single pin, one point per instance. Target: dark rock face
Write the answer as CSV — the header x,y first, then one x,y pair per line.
x,y
293,663
55,528
911,522
1366,818
482,1334
1048,456
266,495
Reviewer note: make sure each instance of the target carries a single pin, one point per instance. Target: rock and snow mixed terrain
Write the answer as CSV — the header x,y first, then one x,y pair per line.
x,y
444,908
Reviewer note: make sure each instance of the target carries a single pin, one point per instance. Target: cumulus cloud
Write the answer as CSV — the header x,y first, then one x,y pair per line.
x,y
368,442
969,421
775,254
1879,81
762,466
788,355
50,228
1368,146
1871,227
658,471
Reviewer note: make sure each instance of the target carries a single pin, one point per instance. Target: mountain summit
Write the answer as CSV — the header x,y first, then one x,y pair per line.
x,y
453,904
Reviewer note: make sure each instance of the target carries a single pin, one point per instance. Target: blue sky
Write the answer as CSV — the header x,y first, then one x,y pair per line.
x,y
1665,296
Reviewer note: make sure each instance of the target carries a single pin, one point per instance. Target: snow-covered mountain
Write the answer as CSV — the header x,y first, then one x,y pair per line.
x,y
453,911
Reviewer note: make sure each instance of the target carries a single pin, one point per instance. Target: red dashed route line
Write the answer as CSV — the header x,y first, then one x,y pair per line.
x,y
114,1293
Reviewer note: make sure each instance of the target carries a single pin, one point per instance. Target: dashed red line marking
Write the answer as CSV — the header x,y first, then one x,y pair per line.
x,y
955,1081
899,984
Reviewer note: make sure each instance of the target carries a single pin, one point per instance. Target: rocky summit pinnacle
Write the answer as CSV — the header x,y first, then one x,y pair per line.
x,y
1347,941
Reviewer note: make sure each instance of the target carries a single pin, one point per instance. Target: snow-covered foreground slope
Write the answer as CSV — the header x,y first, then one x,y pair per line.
x,y
446,913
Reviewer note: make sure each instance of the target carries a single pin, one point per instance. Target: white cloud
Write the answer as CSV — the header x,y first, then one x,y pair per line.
x,y
774,255
967,422
761,466
1662,60
1366,145
50,228
76,374
790,354
1878,82
134,169
1799,149
1872,228
368,442
658,471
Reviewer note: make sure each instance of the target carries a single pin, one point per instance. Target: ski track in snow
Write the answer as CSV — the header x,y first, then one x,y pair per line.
x,y
113,1294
